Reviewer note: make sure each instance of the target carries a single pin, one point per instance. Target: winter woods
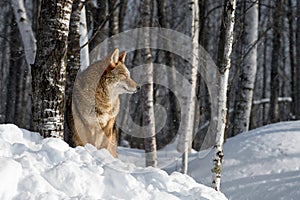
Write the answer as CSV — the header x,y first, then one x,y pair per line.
x,y
259,40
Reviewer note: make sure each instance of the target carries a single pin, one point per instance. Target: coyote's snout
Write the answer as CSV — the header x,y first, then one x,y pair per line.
x,y
115,80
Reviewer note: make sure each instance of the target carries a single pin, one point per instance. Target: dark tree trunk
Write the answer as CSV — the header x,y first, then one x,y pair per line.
x,y
122,13
113,17
5,53
73,65
276,57
16,62
99,20
290,16
49,68
297,95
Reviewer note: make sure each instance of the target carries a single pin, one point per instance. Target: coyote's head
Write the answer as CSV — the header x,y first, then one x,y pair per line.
x,y
117,76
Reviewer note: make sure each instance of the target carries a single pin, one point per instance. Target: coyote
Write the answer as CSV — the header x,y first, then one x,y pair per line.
x,y
94,119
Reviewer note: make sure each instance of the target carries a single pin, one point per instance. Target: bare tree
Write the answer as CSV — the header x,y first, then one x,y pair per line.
x,y
73,66
16,63
26,32
190,95
84,46
122,14
243,101
98,23
5,53
48,71
291,16
224,62
147,91
276,52
297,71
113,17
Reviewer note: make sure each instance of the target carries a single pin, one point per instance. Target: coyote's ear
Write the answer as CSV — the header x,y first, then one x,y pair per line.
x,y
114,58
122,56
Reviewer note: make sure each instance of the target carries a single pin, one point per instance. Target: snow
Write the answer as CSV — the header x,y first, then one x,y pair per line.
x,y
261,164
36,168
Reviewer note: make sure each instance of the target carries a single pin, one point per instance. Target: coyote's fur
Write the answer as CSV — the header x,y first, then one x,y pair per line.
x,y
115,80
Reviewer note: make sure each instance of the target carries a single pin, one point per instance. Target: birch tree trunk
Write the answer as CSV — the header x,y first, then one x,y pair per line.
x,y
224,62
188,115
48,71
147,92
26,32
243,102
84,50
275,63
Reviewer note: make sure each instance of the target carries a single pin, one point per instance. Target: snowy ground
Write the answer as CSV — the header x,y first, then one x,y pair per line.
x,y
263,164
36,168
260,164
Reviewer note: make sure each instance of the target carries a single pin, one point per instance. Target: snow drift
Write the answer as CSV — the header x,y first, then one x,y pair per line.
x,y
260,164
36,168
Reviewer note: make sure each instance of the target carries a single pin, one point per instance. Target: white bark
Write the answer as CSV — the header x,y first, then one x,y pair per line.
x,y
84,52
26,32
243,103
225,50
148,116
49,70
190,95
147,93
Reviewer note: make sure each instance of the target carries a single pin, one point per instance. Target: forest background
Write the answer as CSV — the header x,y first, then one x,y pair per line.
x,y
264,78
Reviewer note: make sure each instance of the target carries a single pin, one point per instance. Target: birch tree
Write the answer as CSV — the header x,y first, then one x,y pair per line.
x,y
224,62
48,71
243,102
26,32
17,43
84,38
147,91
190,95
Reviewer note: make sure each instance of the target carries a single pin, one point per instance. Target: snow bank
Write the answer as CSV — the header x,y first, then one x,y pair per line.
x,y
261,164
36,168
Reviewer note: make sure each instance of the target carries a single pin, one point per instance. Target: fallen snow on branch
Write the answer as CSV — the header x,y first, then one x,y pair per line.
x,y
267,100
